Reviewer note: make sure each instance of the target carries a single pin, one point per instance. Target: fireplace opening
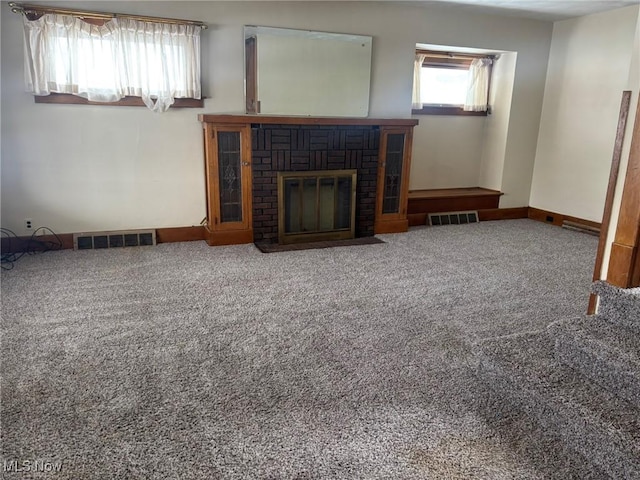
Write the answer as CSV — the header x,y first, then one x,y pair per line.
x,y
316,206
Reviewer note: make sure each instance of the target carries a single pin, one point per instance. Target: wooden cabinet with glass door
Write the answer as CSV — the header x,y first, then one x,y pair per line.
x,y
393,180
228,178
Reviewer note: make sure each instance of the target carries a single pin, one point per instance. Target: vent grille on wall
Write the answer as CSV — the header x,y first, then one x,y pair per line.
x,y
579,227
124,238
453,218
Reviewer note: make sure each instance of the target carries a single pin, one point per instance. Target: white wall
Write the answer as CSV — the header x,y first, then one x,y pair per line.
x,y
76,168
496,127
588,70
446,152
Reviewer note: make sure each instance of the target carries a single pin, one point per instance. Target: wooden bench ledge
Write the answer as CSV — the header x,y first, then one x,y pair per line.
x,y
443,193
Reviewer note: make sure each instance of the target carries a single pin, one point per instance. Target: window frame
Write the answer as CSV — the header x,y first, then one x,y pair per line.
x,y
450,60
129,101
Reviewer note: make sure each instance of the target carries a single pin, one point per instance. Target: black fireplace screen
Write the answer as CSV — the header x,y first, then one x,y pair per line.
x,y
316,206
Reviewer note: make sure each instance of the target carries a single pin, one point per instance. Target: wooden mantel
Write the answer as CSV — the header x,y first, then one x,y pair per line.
x,y
304,120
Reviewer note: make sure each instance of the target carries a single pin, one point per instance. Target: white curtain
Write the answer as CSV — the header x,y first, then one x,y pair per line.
x,y
478,85
417,70
155,61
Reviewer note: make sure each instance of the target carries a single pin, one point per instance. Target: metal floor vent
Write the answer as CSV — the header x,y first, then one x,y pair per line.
x,y
123,238
453,218
579,227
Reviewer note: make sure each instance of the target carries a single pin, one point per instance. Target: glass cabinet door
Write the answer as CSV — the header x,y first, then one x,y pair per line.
x,y
230,177
393,182
228,168
394,156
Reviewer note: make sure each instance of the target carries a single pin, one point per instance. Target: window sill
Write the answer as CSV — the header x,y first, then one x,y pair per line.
x,y
68,99
446,110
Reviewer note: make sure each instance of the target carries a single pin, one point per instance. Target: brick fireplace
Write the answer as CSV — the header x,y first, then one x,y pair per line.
x,y
245,155
291,148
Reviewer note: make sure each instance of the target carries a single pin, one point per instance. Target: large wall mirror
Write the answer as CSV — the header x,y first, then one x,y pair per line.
x,y
299,72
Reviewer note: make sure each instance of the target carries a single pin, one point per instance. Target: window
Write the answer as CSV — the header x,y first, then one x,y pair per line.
x,y
107,61
443,86
449,84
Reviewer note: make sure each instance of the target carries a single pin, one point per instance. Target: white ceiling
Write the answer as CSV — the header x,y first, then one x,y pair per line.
x,y
550,10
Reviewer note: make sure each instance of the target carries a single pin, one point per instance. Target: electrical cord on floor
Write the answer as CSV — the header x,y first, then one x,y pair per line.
x,y
34,245
8,259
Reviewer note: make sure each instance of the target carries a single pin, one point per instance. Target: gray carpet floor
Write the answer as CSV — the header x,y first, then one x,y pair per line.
x,y
195,362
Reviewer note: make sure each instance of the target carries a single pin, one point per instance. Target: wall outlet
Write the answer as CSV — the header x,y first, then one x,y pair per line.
x,y
28,223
